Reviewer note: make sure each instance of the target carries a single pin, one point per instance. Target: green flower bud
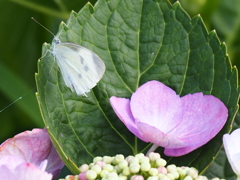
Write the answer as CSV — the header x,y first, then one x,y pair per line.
x,y
91,175
84,168
161,162
145,166
134,168
153,171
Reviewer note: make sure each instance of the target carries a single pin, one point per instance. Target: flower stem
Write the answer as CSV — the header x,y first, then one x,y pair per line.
x,y
153,148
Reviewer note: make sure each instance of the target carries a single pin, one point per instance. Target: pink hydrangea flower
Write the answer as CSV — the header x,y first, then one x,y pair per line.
x,y
232,147
29,155
158,115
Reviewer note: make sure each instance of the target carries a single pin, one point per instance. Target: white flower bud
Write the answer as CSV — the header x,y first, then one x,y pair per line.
x,y
182,171
152,178
117,159
137,177
98,158
201,178
188,178
192,172
139,156
162,177
145,166
153,172
108,167
122,164
117,169
175,174
107,159
112,175
144,160
91,175
134,168
100,163
122,177
154,156
104,173
170,176
161,162
84,168
134,160
91,165
171,168
128,159
126,171
162,170
96,168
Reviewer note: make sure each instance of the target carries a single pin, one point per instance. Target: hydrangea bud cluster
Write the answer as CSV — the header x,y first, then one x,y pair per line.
x,y
138,167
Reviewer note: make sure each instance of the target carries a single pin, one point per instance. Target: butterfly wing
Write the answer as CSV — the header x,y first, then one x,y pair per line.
x,y
80,67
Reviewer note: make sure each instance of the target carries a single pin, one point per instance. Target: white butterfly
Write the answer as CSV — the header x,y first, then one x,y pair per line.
x,y
80,67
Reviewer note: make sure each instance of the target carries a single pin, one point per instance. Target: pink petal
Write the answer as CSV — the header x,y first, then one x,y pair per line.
x,y
232,147
157,105
156,136
33,146
55,164
24,171
11,161
204,116
121,107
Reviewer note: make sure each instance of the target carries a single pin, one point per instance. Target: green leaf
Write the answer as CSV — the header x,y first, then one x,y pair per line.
x,y
139,41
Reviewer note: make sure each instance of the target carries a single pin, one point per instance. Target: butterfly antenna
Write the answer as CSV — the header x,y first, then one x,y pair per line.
x,y
43,26
17,100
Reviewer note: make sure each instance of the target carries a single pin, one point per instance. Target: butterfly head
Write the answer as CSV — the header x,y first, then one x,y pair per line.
x,y
56,41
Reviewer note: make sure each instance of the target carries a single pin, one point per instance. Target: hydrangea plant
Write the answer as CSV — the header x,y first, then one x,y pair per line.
x,y
141,42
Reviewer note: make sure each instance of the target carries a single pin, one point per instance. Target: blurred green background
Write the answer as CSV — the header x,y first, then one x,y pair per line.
x,y
21,40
